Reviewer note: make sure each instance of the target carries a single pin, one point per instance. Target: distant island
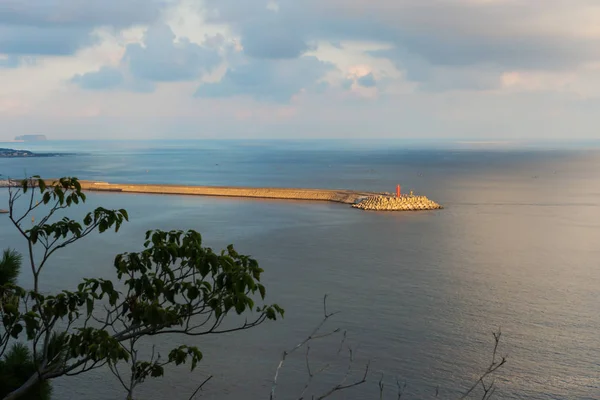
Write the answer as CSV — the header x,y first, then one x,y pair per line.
x,y
30,138
12,153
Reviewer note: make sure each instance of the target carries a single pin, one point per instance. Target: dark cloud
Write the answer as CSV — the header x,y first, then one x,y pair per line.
x,y
33,40
457,50
423,35
141,86
103,79
367,81
265,33
273,39
269,80
85,14
61,27
158,59
161,59
347,84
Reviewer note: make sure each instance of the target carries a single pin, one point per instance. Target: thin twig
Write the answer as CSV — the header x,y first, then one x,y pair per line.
x,y
310,337
401,388
341,386
493,367
200,387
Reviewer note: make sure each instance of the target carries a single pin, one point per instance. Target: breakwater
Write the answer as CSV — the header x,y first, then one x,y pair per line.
x,y
339,196
363,200
397,203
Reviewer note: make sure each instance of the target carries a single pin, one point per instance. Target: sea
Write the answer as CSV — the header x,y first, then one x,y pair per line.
x,y
417,296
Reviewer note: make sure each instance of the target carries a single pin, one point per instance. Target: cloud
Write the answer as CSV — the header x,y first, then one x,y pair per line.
x,y
459,50
50,27
360,75
161,59
9,61
34,40
275,40
347,83
269,80
424,35
89,13
433,68
266,31
367,81
274,37
104,78
13,61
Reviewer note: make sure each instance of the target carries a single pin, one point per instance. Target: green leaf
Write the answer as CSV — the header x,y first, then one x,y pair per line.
x,y
16,330
271,314
239,307
124,213
33,236
157,371
90,305
193,293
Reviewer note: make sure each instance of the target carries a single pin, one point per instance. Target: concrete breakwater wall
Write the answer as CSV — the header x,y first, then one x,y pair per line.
x,y
4,183
392,203
339,196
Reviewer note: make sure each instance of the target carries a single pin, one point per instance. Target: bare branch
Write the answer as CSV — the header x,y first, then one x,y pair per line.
x,y
311,375
200,387
341,386
310,337
401,388
493,367
115,371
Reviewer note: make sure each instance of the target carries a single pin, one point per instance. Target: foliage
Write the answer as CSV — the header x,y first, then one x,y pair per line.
x,y
173,285
16,367
17,364
10,267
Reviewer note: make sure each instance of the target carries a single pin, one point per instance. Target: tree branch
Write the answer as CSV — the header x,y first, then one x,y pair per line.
x,y
493,367
200,387
310,337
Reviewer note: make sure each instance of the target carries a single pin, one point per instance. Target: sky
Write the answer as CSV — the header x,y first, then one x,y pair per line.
x,y
292,69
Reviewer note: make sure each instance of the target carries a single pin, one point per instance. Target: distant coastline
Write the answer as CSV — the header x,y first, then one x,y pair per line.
x,y
12,153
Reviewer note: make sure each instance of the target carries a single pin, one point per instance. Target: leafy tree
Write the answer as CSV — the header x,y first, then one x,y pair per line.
x,y
173,285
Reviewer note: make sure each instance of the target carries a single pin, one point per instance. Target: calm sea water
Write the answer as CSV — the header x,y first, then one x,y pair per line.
x,y
517,247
